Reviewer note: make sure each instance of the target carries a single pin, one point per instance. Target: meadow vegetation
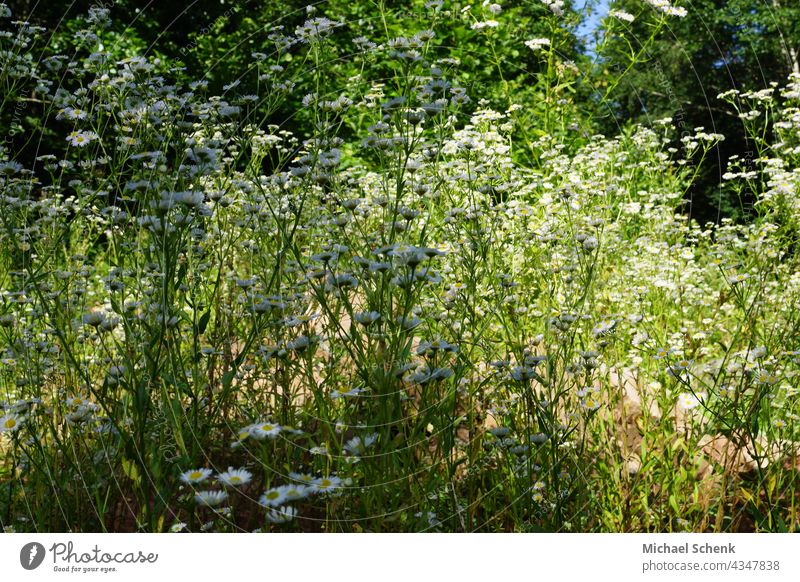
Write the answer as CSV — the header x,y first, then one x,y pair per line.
x,y
416,302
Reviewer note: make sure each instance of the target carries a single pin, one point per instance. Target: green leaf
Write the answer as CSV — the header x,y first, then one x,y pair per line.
x,y
131,471
673,503
203,323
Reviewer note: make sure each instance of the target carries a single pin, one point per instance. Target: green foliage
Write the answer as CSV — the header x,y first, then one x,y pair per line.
x,y
719,45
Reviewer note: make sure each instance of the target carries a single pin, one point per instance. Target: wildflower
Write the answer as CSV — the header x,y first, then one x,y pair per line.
x,y
425,374
555,6
536,44
590,403
429,517
81,414
351,393
195,476
435,346
93,318
738,279
727,390
667,8
491,23
108,324
500,431
662,353
264,430
73,114
379,266
342,281
590,243
299,344
305,478
81,138
768,378
210,498
235,477
10,422
682,365
605,327
524,373
283,514
10,168
326,484
77,401
680,370
688,401
293,492
367,318
621,15
315,28
273,497
358,446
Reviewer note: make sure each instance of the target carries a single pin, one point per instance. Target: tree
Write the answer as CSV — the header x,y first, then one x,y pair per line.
x,y
717,46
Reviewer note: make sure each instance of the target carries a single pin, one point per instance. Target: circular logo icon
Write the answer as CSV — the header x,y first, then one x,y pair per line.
x,y
31,555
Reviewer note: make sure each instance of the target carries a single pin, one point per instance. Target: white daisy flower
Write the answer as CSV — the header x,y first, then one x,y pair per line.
x,y
319,450
769,378
235,477
81,138
77,401
351,393
326,484
73,113
10,422
94,318
210,498
263,430
604,327
195,476
295,492
273,497
282,514
688,401
305,478
358,446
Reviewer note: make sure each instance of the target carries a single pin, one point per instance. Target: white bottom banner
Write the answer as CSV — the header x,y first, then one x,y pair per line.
x,y
356,557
